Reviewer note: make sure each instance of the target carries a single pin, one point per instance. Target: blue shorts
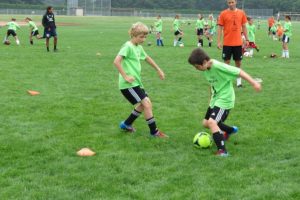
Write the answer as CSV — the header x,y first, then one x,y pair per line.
x,y
50,33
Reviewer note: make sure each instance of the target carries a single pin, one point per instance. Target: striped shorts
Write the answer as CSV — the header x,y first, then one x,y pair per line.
x,y
216,113
134,95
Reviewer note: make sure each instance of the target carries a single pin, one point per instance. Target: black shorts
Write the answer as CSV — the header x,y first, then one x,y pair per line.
x,y
285,39
200,31
11,32
178,32
49,33
134,95
34,33
235,51
216,113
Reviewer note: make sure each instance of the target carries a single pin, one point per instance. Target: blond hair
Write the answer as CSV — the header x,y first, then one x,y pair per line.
x,y
138,29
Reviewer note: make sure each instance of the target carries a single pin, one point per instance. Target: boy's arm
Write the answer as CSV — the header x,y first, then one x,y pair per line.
x,y
245,32
247,77
156,67
117,63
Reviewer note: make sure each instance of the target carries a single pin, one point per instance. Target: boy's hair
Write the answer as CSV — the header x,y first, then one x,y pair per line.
x,y
249,18
288,17
198,56
138,29
49,8
13,19
29,19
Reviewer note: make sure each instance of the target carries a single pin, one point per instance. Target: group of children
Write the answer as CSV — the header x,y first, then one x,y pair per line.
x,y
218,74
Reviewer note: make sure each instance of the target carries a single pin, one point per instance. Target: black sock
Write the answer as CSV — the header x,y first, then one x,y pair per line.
x,y
201,42
209,44
152,125
219,140
179,39
31,42
133,116
54,47
47,48
226,128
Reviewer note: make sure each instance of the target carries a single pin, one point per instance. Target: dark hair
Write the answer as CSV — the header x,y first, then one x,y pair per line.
x,y
249,18
49,8
13,19
198,56
288,17
27,18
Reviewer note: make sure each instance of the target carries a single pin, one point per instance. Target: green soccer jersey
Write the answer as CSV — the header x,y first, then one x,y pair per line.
x,y
158,25
32,26
12,26
288,29
220,77
212,25
132,54
200,23
176,25
251,32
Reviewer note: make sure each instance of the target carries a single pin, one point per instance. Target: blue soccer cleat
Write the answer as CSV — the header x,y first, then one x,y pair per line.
x,y
126,127
226,135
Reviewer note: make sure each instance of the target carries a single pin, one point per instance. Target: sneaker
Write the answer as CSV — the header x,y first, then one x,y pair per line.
x,y
240,86
127,128
222,153
160,134
226,135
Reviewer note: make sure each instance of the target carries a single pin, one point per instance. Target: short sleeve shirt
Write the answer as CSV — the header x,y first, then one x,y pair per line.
x,y
232,22
132,54
200,23
176,25
12,26
32,25
220,77
288,29
158,25
251,32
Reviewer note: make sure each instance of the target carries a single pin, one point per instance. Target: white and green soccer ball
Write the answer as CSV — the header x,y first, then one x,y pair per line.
x,y
202,140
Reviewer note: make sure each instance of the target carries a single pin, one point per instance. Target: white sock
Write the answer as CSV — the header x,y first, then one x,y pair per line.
x,y
175,43
18,42
5,38
251,52
283,54
287,54
239,81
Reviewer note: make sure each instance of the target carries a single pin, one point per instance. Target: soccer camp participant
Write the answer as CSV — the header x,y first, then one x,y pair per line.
x,y
220,76
158,26
177,31
271,22
211,29
232,22
200,30
48,22
34,31
287,30
128,64
12,27
251,35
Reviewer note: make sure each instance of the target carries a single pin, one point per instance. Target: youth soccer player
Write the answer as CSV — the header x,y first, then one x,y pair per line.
x,y
128,64
287,30
177,31
211,29
34,31
49,27
200,30
251,35
220,76
158,25
12,27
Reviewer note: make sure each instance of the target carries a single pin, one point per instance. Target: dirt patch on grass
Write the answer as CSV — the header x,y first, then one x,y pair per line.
x,y
23,23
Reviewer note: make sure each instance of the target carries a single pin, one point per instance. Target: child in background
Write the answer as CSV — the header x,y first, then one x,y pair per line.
x,y
200,30
287,30
158,25
211,29
34,31
128,64
279,32
177,31
273,31
12,30
251,35
220,76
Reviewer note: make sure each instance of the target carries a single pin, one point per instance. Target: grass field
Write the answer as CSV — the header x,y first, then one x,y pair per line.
x,y
80,106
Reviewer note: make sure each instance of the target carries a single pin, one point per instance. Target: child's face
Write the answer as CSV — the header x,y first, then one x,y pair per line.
x,y
202,67
139,39
250,21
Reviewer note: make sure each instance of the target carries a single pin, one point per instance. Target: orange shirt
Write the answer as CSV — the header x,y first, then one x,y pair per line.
x,y
232,22
279,31
271,21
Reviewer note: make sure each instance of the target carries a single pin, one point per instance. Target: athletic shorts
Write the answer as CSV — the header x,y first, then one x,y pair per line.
x,y
199,31
134,95
285,39
217,114
177,32
50,33
34,33
11,32
235,51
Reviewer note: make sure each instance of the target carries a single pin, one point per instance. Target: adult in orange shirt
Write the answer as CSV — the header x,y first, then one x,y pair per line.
x,y
271,22
231,23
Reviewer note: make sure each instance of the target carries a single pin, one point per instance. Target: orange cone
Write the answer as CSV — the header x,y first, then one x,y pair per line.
x,y
85,152
33,93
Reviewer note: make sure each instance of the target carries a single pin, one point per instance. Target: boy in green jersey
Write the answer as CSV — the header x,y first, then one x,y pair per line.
x,y
34,31
128,64
251,36
287,33
178,33
158,26
12,30
200,30
220,77
211,29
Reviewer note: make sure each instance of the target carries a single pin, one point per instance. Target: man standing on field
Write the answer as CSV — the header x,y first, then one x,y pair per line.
x,y
232,22
49,27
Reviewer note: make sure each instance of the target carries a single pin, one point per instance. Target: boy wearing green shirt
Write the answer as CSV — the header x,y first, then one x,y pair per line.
x,y
287,30
251,36
158,26
220,77
211,29
128,64
199,30
34,31
11,30
178,33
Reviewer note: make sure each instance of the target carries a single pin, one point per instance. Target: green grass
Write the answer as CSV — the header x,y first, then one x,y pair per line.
x,y
80,106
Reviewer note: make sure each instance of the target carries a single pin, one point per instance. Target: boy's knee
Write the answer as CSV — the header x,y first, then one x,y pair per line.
x,y
147,103
211,123
205,123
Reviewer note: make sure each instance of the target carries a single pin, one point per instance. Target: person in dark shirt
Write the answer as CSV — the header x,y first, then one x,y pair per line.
x,y
49,27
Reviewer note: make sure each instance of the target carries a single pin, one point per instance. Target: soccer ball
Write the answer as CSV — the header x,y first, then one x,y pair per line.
x,y
7,42
202,140
247,54
181,45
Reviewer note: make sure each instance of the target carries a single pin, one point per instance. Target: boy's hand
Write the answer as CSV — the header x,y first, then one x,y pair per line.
x,y
129,79
161,74
257,86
